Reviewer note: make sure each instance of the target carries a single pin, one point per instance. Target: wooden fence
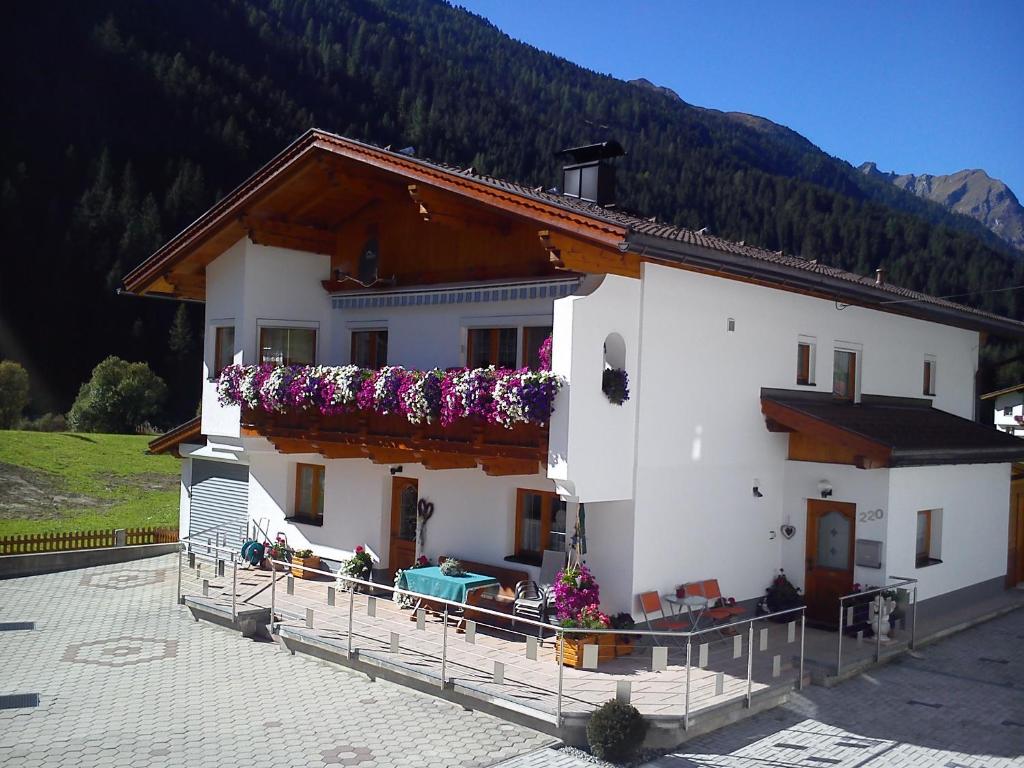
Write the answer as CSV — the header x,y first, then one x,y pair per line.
x,y
59,542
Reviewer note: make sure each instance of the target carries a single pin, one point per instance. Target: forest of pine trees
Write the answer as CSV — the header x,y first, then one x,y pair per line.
x,y
125,120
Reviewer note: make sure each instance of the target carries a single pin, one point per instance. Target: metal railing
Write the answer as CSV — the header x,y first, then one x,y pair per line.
x,y
848,614
366,629
206,582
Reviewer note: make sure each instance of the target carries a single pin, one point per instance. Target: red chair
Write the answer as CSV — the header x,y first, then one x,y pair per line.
x,y
719,609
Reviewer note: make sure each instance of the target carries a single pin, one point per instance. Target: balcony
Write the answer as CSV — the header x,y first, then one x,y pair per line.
x,y
392,439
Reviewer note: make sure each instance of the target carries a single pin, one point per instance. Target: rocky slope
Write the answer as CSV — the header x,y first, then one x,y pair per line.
x,y
971,192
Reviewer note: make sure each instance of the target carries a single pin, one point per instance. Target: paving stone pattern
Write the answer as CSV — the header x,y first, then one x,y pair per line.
x,y
126,678
959,705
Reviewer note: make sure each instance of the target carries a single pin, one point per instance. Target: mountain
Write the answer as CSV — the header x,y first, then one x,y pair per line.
x,y
971,192
123,121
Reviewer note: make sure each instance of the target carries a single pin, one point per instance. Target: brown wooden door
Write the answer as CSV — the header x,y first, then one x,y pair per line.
x,y
404,498
1015,550
830,540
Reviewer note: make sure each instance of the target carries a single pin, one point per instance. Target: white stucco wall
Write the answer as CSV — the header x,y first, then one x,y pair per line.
x,y
702,440
225,298
435,335
474,514
251,285
974,500
1014,401
592,441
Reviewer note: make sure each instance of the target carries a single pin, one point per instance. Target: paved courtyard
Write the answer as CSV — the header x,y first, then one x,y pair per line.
x,y
125,677
960,704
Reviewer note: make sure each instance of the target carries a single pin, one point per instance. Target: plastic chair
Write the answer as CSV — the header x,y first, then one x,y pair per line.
x,y
531,602
650,602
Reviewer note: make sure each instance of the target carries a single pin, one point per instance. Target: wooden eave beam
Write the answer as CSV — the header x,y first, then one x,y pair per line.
x,y
504,467
859,445
283,234
569,253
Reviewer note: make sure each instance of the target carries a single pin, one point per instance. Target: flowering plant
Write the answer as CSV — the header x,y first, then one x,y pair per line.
x,y
279,550
498,395
544,353
575,590
407,601
589,617
359,564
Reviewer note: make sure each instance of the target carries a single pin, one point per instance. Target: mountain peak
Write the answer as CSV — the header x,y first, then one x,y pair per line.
x,y
971,192
643,82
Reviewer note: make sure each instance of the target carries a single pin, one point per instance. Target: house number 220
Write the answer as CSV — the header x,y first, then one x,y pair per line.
x,y
871,514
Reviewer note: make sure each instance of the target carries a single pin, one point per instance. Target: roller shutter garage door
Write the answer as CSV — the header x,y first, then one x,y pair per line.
x,y
220,501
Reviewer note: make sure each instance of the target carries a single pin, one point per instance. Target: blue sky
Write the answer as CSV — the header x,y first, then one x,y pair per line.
x,y
920,87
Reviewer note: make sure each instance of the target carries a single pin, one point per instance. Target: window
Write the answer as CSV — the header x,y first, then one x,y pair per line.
x,y
844,375
492,346
929,375
929,537
309,494
540,524
370,349
223,348
1008,411
805,361
288,346
533,337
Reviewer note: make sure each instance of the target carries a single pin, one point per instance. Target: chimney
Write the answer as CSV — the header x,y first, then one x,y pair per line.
x,y
880,276
589,173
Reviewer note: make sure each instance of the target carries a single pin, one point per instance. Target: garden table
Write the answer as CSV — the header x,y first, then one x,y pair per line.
x,y
457,589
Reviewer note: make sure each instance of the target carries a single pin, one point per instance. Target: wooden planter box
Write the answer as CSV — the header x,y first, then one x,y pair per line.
x,y
572,653
305,562
624,644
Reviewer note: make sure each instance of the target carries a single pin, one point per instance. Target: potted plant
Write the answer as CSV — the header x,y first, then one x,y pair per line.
x,y
403,600
577,599
279,551
623,643
303,559
615,385
359,566
782,594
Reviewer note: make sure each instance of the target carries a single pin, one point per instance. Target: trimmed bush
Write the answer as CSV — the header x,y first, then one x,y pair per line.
x,y
616,731
118,398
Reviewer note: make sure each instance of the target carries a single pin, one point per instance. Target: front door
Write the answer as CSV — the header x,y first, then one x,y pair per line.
x,y
829,575
404,497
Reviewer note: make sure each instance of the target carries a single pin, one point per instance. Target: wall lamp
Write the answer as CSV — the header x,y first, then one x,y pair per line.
x,y
757,489
396,469
825,489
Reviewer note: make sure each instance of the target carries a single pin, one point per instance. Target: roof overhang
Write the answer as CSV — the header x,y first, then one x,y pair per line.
x,y
170,441
228,220
885,431
784,277
1000,392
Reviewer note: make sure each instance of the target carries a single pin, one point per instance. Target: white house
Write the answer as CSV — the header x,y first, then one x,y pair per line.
x,y
1009,409
781,413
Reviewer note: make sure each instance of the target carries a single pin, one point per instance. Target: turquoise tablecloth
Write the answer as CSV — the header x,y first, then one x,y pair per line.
x,y
430,581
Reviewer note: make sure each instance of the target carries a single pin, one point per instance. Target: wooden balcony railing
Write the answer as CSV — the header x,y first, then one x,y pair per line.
x,y
392,439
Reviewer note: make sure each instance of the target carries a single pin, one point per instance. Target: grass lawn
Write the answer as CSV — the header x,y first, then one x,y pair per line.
x,y
59,481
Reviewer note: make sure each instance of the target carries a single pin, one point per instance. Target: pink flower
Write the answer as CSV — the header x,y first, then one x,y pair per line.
x,y
360,550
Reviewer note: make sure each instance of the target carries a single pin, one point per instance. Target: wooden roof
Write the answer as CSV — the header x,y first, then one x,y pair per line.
x,y
170,440
308,192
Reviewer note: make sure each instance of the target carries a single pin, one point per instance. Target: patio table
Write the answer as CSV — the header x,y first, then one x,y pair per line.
x,y
690,603
430,581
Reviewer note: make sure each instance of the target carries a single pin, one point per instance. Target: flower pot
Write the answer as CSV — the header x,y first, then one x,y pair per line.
x,y
267,565
571,648
299,564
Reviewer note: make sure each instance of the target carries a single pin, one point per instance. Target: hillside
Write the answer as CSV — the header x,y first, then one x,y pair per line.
x,y
123,121
971,192
70,482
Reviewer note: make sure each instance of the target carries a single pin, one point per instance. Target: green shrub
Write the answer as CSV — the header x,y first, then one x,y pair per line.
x,y
13,393
616,731
48,422
118,398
